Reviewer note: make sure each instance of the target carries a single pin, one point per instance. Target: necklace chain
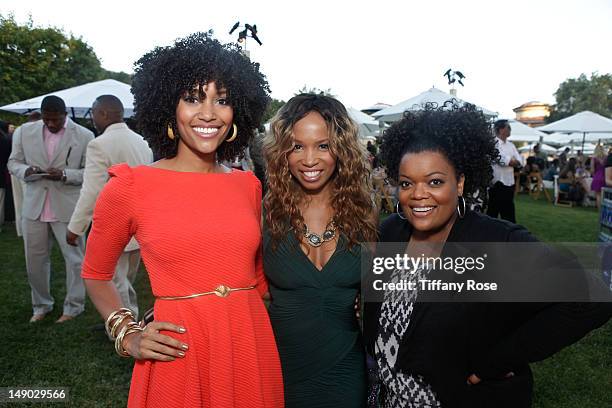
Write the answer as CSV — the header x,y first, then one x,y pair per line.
x,y
317,240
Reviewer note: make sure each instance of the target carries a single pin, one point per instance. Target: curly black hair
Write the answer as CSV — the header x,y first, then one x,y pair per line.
x,y
461,133
163,75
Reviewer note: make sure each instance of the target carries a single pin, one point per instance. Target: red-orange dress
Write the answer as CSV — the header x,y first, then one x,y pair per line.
x,y
196,231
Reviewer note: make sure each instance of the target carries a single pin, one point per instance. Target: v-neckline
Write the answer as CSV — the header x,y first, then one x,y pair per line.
x,y
309,261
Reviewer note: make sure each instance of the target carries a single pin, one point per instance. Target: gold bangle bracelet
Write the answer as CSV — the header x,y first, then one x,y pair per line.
x,y
118,322
131,327
112,316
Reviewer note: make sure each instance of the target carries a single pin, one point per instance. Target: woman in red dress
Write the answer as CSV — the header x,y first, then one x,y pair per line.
x,y
198,226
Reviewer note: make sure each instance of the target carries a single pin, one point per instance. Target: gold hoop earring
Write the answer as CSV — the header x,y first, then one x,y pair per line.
x,y
234,134
170,132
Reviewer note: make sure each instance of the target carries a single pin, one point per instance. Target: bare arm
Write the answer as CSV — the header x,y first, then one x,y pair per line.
x,y
609,176
148,344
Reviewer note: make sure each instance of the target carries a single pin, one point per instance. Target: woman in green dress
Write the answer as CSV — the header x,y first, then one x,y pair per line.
x,y
318,210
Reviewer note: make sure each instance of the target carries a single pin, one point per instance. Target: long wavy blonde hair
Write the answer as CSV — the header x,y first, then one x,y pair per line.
x,y
351,191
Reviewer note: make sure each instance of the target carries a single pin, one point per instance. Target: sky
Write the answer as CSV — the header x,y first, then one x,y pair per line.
x,y
511,51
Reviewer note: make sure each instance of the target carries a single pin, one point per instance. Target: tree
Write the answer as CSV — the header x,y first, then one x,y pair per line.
x,y
578,94
35,61
273,107
315,90
119,76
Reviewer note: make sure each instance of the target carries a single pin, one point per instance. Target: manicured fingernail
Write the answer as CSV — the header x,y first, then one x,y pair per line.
x,y
182,329
184,347
180,353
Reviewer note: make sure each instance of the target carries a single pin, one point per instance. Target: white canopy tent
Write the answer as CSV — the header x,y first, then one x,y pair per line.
x,y
368,126
588,148
558,138
585,122
432,95
543,147
80,98
523,133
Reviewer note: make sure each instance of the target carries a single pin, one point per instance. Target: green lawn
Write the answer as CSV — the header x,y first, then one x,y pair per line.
x,y
75,356
580,375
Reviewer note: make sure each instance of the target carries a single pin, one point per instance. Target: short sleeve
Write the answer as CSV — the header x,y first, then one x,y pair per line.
x,y
609,161
113,225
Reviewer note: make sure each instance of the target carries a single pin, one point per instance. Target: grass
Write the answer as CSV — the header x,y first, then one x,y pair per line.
x,y
50,355
580,375
75,356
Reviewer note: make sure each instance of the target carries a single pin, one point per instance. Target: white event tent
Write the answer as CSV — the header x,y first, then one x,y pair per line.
x,y
523,133
80,98
432,95
590,125
368,126
543,147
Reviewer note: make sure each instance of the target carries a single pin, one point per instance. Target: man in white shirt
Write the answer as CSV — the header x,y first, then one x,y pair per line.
x,y
117,144
501,194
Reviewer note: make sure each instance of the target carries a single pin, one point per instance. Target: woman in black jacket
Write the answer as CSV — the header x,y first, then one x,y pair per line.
x,y
457,354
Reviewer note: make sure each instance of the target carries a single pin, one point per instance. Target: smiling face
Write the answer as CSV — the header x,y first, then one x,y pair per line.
x,y
311,162
204,118
428,192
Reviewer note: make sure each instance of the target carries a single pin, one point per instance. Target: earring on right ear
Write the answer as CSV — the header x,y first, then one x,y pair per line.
x,y
170,132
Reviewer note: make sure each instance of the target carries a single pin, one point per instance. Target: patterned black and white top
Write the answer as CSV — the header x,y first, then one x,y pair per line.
x,y
400,389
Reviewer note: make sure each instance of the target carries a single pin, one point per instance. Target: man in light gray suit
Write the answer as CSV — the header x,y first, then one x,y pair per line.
x,y
117,144
49,155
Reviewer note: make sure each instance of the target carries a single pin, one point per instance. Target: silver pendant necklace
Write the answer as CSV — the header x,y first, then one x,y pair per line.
x,y
316,240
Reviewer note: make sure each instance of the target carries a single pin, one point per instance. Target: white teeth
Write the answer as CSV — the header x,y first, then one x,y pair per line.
x,y
206,130
312,173
422,209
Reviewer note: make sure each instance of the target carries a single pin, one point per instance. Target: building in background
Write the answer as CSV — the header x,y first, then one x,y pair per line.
x,y
532,113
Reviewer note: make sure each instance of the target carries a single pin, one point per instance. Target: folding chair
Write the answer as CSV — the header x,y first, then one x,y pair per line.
x,y
562,197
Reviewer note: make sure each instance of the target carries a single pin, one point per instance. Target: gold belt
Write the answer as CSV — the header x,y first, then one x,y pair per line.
x,y
221,291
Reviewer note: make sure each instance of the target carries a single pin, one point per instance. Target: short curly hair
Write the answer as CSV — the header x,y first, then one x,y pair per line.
x,y
461,133
163,75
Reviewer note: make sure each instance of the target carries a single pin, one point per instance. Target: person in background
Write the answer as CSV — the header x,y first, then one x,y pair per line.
x,y
541,158
598,172
49,155
608,170
530,168
580,159
5,152
371,147
563,157
18,185
571,183
116,144
501,193
552,171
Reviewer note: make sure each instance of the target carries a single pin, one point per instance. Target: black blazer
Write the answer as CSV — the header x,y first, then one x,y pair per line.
x,y
447,342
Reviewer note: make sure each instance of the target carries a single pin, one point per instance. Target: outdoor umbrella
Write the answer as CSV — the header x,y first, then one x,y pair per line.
x,y
523,133
587,148
368,126
395,112
543,147
583,122
80,98
564,138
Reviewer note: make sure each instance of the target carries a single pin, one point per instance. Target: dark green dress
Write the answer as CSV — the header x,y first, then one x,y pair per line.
x,y
313,317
